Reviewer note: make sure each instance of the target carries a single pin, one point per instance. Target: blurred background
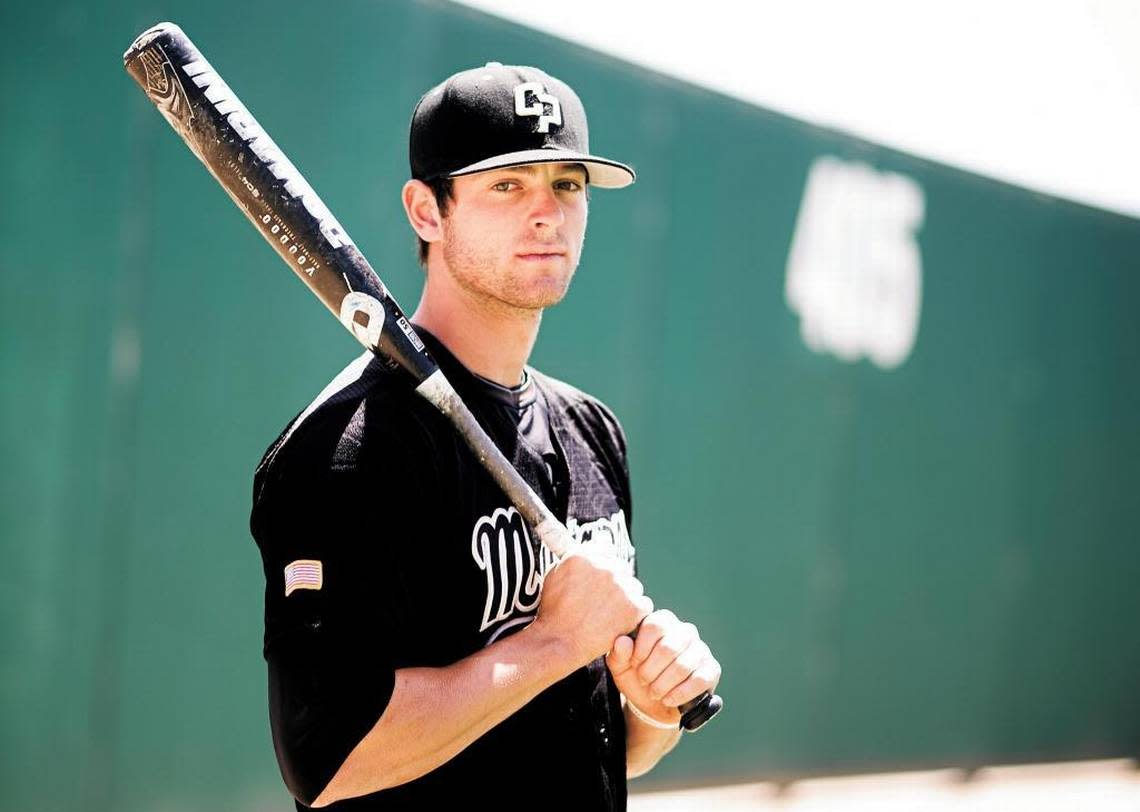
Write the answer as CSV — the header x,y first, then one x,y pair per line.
x,y
868,317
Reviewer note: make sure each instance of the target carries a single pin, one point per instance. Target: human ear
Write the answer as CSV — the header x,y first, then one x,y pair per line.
x,y
422,210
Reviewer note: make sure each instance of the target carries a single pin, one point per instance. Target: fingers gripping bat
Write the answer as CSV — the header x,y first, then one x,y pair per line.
x,y
283,207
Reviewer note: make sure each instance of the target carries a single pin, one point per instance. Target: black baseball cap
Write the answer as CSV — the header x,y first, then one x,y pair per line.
x,y
504,115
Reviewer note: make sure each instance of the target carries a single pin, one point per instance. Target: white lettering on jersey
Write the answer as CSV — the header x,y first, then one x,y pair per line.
x,y
610,532
501,547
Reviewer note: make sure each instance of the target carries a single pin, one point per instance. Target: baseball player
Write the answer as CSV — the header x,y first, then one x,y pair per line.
x,y
423,648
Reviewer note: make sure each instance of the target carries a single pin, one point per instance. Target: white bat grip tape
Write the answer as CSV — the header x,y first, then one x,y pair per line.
x,y
554,536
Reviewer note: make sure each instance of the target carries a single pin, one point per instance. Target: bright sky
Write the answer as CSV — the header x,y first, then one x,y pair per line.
x,y
1043,94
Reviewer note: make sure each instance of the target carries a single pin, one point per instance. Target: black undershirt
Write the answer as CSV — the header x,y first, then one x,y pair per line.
x,y
527,408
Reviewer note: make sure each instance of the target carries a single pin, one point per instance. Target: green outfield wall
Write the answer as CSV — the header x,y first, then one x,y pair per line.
x,y
881,413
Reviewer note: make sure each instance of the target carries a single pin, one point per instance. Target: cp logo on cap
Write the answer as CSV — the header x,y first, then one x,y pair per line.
x,y
542,100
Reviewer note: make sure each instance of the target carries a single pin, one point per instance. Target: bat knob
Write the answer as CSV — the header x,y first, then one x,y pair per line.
x,y
698,711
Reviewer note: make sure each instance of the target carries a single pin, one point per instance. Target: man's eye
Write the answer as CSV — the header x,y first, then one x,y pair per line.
x,y
568,185
503,186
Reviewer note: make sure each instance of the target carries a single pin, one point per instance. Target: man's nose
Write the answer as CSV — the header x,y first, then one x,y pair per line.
x,y
546,208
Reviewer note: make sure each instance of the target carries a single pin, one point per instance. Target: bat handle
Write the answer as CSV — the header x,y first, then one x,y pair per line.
x,y
695,712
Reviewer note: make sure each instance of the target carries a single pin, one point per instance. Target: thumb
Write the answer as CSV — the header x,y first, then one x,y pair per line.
x,y
618,659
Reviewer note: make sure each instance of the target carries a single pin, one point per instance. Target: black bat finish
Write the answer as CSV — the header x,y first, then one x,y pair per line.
x,y
266,185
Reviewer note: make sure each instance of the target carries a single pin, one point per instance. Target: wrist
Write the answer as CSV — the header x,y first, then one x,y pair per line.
x,y
654,720
558,650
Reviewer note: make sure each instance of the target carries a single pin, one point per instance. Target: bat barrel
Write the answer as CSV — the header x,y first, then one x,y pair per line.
x,y
269,189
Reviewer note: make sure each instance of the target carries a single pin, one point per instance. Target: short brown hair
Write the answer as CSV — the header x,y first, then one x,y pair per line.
x,y
442,188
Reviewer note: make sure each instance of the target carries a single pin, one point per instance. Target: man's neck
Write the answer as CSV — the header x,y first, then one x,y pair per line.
x,y
491,339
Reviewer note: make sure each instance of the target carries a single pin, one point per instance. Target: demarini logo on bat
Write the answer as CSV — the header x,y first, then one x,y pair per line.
x,y
363,315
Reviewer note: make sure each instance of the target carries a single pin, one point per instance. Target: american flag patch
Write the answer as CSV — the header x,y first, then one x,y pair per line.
x,y
303,574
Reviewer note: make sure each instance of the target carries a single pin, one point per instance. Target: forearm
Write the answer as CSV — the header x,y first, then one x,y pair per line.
x,y
434,713
645,745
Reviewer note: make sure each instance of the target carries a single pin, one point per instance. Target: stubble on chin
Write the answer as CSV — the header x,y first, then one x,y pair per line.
x,y
511,288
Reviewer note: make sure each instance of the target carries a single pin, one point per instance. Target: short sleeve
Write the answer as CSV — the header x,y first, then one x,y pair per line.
x,y
325,694
321,520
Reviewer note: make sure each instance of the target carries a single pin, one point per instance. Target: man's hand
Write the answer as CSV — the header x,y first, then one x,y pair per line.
x,y
590,600
665,667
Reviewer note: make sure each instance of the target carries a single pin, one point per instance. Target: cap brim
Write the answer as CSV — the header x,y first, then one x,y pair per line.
x,y
603,172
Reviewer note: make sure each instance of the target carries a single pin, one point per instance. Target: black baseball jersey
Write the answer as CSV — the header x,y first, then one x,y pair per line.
x,y
386,545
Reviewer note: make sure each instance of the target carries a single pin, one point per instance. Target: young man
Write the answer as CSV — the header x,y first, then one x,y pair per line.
x,y
423,649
